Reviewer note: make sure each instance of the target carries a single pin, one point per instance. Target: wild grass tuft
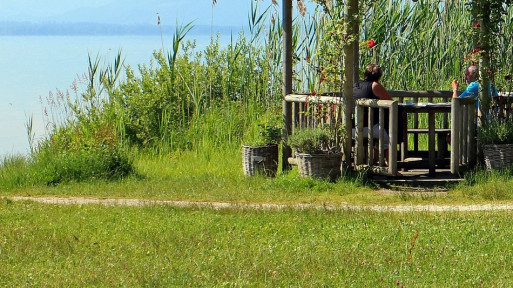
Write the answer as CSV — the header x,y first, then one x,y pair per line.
x,y
493,186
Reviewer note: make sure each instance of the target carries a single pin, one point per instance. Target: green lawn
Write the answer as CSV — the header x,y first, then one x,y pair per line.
x,y
93,245
191,177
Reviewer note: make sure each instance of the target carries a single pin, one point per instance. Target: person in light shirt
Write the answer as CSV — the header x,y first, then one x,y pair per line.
x,y
472,90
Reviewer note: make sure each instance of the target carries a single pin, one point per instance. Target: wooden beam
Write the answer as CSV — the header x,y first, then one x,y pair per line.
x,y
455,132
392,150
356,48
351,16
287,80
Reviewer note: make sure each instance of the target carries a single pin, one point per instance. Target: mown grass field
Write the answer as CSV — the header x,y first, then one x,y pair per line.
x,y
90,245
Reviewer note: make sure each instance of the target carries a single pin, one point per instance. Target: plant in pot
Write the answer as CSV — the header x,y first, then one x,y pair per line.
x,y
496,138
260,154
317,155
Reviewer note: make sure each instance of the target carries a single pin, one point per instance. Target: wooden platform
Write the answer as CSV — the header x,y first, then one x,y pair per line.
x,y
419,178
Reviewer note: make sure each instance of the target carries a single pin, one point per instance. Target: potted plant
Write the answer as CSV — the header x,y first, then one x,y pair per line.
x,y
316,154
260,155
496,138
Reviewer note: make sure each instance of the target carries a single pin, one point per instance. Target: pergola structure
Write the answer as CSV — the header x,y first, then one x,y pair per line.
x,y
350,74
351,64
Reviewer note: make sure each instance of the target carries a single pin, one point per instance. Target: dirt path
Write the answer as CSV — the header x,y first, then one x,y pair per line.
x,y
264,206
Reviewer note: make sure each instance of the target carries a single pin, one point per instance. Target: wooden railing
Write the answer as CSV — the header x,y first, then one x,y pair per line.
x,y
463,133
314,111
373,106
429,96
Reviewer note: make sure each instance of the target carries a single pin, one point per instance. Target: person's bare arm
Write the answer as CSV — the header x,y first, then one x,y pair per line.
x,y
380,91
455,84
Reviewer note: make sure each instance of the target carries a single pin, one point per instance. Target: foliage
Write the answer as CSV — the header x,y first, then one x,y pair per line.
x,y
71,154
489,16
496,131
310,141
207,101
268,132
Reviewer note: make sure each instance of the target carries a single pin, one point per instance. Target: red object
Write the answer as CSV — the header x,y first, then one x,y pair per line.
x,y
371,43
323,77
476,24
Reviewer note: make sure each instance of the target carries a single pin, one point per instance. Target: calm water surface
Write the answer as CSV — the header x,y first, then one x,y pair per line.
x,y
33,66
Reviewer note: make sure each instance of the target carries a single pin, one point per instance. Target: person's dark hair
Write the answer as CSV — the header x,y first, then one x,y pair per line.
x,y
372,72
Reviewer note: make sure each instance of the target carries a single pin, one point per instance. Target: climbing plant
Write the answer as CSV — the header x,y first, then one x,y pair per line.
x,y
489,16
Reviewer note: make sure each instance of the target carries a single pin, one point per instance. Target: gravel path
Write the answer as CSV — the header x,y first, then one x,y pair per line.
x,y
264,206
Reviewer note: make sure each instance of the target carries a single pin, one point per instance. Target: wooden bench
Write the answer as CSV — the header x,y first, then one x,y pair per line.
x,y
441,136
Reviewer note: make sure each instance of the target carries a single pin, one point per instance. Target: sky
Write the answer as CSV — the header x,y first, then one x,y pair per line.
x,y
224,13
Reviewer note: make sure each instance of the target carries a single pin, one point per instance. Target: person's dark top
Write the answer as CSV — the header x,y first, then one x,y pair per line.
x,y
363,90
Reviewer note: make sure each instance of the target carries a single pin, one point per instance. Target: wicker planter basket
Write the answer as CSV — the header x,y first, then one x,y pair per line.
x,y
260,160
498,156
319,165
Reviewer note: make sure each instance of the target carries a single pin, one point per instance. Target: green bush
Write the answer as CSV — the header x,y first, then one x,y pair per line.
x,y
496,132
310,141
78,153
84,164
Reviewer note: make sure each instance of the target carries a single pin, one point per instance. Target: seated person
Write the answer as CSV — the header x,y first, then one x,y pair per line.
x,y
472,90
370,88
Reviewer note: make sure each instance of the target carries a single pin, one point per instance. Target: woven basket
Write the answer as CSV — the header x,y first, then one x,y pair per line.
x,y
319,165
498,156
260,160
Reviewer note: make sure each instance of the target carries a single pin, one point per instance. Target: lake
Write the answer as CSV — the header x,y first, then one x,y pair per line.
x,y
33,66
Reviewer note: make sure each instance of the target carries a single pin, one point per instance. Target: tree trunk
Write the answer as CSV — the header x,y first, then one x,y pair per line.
x,y
350,11
287,80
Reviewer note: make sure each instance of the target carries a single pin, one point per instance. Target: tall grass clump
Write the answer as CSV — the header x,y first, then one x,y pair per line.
x,y
489,185
85,138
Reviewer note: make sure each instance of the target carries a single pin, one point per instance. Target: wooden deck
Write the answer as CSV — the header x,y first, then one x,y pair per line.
x,y
413,165
412,179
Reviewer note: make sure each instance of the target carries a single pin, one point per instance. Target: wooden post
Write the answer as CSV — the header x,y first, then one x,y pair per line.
x,y
455,132
370,137
381,136
472,159
359,135
287,81
350,13
431,143
356,47
485,65
392,149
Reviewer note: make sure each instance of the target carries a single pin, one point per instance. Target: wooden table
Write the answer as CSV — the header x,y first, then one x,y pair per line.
x,y
431,109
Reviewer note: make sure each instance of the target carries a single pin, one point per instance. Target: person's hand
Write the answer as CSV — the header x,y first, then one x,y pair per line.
x,y
455,84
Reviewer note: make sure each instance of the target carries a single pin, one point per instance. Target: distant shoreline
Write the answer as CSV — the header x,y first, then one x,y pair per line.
x,y
77,29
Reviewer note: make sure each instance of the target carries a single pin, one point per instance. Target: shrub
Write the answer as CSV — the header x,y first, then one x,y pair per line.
x,y
78,153
496,132
85,164
310,141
